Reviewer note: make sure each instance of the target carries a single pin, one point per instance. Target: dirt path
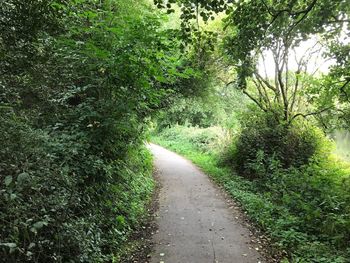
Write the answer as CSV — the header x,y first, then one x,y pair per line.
x,y
195,222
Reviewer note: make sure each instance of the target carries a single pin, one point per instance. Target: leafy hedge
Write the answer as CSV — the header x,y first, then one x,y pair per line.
x,y
265,142
79,82
60,203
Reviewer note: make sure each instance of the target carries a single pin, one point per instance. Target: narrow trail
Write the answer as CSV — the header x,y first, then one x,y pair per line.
x,y
195,223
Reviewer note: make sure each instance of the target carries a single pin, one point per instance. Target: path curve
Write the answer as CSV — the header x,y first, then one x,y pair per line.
x,y
195,222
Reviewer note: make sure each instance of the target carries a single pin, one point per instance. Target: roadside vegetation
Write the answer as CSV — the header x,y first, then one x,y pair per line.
x,y
303,208
255,92
272,128
79,82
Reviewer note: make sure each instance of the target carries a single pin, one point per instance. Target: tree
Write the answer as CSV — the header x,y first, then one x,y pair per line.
x,y
333,89
278,28
79,83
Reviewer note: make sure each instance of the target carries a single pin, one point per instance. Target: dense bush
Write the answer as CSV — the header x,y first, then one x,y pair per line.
x,y
79,82
264,142
318,196
305,211
54,209
214,106
204,139
187,111
307,187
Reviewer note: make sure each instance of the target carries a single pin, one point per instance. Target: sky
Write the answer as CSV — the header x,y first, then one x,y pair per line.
x,y
316,61
310,51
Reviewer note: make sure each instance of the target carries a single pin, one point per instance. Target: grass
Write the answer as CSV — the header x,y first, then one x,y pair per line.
x,y
287,229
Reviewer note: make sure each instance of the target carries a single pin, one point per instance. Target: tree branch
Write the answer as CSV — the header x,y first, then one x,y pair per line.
x,y
255,100
342,89
258,76
305,115
305,12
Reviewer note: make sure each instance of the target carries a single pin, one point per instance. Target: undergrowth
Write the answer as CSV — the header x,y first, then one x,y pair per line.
x,y
305,211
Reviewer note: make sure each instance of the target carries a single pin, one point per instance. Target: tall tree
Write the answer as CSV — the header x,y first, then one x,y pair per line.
x,y
257,28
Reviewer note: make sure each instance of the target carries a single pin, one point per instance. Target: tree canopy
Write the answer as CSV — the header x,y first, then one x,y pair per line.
x,y
277,28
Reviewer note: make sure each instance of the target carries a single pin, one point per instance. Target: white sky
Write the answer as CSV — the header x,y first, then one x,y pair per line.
x,y
316,62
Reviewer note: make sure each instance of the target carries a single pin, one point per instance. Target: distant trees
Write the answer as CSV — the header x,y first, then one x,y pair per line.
x,y
281,30
271,51
257,29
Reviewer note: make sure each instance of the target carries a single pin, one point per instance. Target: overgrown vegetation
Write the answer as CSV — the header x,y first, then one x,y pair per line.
x,y
274,153
81,83
304,210
266,141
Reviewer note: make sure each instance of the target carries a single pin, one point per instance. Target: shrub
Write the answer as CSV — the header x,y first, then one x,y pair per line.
x,y
265,143
204,139
61,203
304,210
316,194
187,111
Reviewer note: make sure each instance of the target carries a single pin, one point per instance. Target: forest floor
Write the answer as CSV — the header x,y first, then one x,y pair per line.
x,y
196,222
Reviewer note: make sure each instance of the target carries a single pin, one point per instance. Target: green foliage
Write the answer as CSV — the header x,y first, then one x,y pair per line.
x,y
299,194
192,111
305,211
284,23
217,105
279,30
79,83
264,143
203,139
56,209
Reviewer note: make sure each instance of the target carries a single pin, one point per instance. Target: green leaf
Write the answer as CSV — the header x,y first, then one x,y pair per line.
x,y
161,79
11,246
22,177
121,220
37,226
8,180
